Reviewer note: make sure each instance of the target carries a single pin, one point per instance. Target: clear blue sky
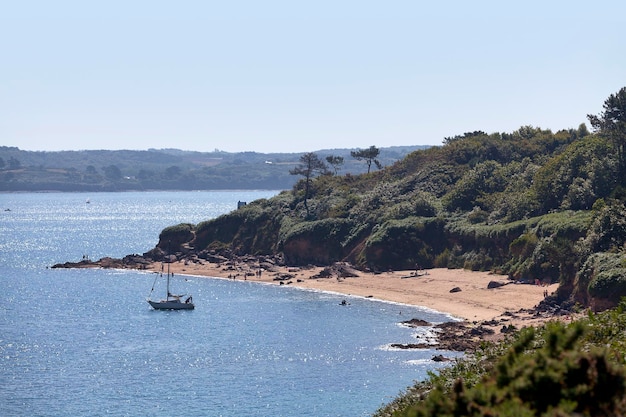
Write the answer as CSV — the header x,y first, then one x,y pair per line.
x,y
295,76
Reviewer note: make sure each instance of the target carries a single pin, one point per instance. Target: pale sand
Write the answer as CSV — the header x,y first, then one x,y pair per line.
x,y
428,288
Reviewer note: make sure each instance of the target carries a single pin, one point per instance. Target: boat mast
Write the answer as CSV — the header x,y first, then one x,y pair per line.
x,y
167,296
169,259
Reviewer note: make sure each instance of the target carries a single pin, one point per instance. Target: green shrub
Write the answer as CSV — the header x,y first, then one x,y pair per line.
x,y
585,171
442,260
403,244
317,242
173,236
477,260
609,285
524,245
608,228
551,376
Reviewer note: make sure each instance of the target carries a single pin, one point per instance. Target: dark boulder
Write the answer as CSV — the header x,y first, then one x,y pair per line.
x,y
416,323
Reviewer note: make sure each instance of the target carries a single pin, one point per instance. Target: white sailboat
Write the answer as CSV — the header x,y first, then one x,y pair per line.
x,y
171,301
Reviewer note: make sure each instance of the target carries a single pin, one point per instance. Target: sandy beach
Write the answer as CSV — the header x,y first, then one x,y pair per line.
x,y
471,300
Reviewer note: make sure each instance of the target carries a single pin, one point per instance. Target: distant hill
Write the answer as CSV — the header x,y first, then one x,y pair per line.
x,y
164,169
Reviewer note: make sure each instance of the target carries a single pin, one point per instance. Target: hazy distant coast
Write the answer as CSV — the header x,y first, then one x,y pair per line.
x,y
163,169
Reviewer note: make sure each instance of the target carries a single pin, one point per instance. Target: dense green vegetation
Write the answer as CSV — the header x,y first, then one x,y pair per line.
x,y
574,369
163,169
533,204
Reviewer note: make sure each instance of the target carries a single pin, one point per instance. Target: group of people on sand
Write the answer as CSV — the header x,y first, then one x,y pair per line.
x,y
257,274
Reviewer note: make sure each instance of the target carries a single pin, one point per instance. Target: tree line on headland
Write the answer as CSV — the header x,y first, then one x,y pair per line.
x,y
534,204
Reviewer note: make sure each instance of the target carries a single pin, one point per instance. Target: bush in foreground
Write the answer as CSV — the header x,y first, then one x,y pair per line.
x,y
558,370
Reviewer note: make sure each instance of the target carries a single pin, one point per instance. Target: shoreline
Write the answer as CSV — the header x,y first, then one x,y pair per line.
x,y
458,293
482,306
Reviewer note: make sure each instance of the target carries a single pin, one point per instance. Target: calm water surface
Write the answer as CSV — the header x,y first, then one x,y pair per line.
x,y
85,342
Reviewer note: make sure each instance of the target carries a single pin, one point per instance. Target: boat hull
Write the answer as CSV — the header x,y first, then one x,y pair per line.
x,y
171,305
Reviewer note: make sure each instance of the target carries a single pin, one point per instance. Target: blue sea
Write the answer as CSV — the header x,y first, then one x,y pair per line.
x,y
86,343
